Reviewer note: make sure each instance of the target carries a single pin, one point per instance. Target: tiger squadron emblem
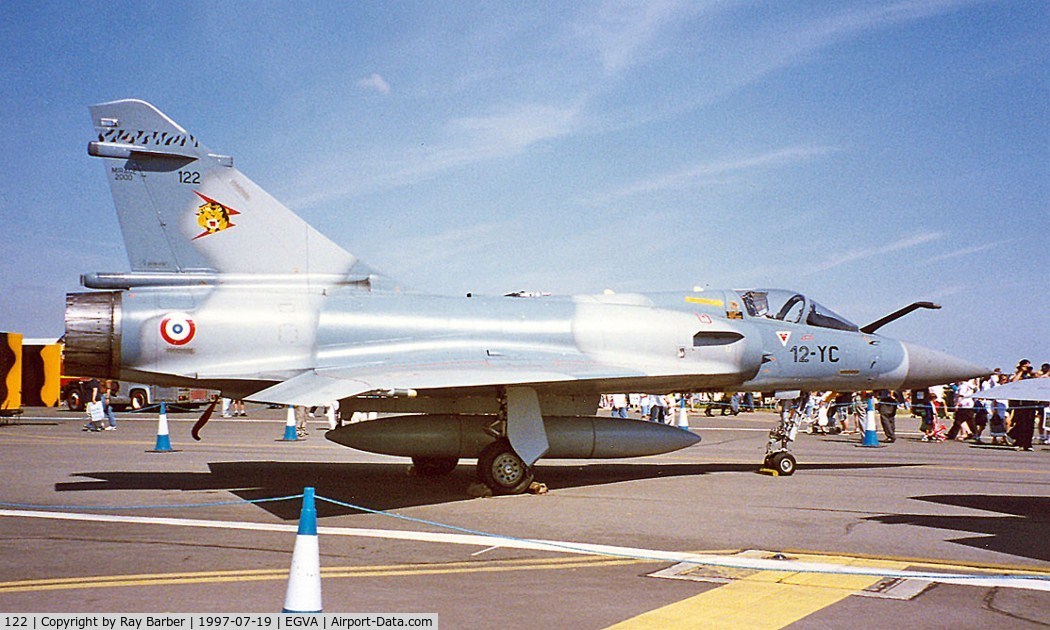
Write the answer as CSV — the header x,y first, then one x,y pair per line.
x,y
213,216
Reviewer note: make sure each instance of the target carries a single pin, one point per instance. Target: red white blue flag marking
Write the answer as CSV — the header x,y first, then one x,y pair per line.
x,y
177,329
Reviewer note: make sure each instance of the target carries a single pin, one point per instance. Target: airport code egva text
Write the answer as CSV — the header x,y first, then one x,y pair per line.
x,y
191,621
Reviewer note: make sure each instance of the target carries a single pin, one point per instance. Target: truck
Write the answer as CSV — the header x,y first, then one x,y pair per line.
x,y
136,396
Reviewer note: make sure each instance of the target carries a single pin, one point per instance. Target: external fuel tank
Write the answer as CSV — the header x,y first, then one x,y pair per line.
x,y
464,436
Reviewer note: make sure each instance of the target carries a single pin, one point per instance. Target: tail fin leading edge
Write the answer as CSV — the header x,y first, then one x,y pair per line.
x,y
183,209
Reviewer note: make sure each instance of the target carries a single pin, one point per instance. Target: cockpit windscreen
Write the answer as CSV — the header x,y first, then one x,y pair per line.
x,y
788,306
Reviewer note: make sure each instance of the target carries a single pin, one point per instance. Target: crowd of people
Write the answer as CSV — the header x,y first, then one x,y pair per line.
x,y
1010,422
946,413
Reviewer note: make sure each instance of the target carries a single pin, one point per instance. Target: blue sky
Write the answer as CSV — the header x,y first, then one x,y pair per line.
x,y
867,153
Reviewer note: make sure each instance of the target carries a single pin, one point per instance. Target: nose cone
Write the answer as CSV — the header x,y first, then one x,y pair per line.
x,y
928,367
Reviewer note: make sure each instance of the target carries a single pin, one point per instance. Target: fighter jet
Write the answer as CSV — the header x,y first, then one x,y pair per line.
x,y
231,290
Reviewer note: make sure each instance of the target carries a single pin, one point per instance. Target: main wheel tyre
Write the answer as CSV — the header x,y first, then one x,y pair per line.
x,y
500,468
138,399
784,463
434,466
74,402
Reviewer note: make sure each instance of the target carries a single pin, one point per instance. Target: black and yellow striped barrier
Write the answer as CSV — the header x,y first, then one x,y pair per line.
x,y
41,374
10,374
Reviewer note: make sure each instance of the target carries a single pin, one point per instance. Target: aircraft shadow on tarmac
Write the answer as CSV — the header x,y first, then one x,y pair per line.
x,y
383,486
1020,527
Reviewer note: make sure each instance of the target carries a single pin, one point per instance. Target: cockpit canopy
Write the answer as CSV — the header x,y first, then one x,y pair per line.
x,y
788,306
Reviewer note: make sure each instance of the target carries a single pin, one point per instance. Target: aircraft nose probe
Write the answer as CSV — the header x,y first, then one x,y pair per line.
x,y
926,367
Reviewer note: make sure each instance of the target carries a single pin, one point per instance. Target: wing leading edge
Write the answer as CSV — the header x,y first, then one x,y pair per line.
x,y
448,374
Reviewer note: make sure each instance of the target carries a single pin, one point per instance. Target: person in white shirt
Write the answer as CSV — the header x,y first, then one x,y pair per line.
x,y
963,411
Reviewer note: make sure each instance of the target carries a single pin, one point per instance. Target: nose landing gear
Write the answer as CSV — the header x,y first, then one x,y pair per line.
x,y
783,463
778,459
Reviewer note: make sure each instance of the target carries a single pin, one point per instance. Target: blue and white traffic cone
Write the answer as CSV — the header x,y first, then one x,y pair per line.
x,y
683,416
304,580
290,434
163,439
871,438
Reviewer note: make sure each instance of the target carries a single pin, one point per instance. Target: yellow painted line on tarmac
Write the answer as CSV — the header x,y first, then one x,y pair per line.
x,y
566,563
862,559
1022,471
71,439
765,600
254,575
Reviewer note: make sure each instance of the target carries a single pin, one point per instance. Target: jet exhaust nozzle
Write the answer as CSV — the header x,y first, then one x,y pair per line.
x,y
92,339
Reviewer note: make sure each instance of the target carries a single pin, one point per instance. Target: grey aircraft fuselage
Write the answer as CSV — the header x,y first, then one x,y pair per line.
x,y
248,336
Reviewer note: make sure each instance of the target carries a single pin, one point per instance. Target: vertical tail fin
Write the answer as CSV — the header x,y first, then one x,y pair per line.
x,y
183,208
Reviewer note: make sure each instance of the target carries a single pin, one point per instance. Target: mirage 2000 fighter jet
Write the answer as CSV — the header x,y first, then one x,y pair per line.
x,y
230,290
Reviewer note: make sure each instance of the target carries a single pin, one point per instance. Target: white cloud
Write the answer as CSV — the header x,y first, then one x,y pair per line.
x,y
785,44
624,32
716,171
969,251
842,258
455,246
947,291
466,141
375,82
510,132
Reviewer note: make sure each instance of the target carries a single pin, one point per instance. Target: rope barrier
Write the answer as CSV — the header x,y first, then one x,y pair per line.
x,y
699,408
170,407
627,553
690,558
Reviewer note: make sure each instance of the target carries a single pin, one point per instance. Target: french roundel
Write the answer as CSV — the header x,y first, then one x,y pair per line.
x,y
177,330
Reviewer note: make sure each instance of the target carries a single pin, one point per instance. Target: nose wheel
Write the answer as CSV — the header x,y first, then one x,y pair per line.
x,y
500,468
778,458
783,463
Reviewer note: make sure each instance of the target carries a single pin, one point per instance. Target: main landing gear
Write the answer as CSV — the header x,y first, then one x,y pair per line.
x,y
499,465
499,468
502,470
